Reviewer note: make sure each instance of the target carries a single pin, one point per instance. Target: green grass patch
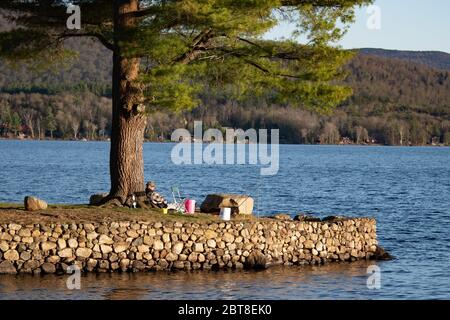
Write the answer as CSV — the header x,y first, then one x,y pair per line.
x,y
11,205
58,213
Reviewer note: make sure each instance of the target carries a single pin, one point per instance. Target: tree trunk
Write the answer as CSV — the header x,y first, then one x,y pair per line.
x,y
38,125
128,119
29,122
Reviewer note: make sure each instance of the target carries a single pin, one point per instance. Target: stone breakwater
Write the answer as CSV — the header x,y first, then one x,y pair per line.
x,y
142,246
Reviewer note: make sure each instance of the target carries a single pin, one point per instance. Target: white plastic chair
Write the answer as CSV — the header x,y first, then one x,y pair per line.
x,y
178,201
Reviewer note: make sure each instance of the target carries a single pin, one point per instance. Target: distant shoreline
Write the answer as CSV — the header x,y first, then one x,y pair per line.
x,y
281,143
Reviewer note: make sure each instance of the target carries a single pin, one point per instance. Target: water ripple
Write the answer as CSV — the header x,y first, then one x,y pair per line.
x,y
406,189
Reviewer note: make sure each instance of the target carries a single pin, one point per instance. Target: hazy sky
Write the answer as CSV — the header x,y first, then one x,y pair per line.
x,y
404,24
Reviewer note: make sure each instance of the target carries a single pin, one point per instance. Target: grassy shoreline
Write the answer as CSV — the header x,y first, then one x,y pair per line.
x,y
81,213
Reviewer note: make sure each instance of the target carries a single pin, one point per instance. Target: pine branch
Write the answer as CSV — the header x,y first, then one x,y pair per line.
x,y
99,36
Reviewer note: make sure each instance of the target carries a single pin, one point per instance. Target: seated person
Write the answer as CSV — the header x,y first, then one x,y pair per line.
x,y
154,199
146,199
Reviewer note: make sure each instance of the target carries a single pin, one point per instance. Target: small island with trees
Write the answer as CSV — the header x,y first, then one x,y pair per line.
x,y
168,62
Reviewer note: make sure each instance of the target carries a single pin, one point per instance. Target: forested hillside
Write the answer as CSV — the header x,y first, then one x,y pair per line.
x,y
400,98
434,59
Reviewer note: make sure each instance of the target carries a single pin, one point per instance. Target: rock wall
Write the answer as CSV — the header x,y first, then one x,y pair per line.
x,y
140,246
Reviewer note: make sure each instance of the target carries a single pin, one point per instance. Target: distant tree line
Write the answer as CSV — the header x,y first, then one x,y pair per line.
x,y
69,116
62,116
395,102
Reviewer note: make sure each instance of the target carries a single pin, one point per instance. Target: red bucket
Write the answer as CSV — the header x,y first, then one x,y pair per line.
x,y
189,206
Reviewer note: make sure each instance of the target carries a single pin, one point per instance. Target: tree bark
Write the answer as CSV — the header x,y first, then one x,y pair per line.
x,y
28,116
128,119
38,125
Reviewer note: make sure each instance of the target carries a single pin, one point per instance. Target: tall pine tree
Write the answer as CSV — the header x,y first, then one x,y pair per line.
x,y
163,48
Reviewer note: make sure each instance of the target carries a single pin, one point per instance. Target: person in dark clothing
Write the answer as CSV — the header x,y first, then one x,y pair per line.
x,y
147,199
155,200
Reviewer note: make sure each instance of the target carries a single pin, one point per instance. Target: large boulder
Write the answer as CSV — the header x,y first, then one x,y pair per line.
x,y
7,267
334,218
48,268
239,204
306,218
34,204
282,216
381,254
256,260
111,204
97,199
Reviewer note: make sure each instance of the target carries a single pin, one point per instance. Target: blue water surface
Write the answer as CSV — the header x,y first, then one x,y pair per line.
x,y
407,189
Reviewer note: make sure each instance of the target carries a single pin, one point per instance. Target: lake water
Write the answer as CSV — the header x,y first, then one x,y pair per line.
x,y
406,189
